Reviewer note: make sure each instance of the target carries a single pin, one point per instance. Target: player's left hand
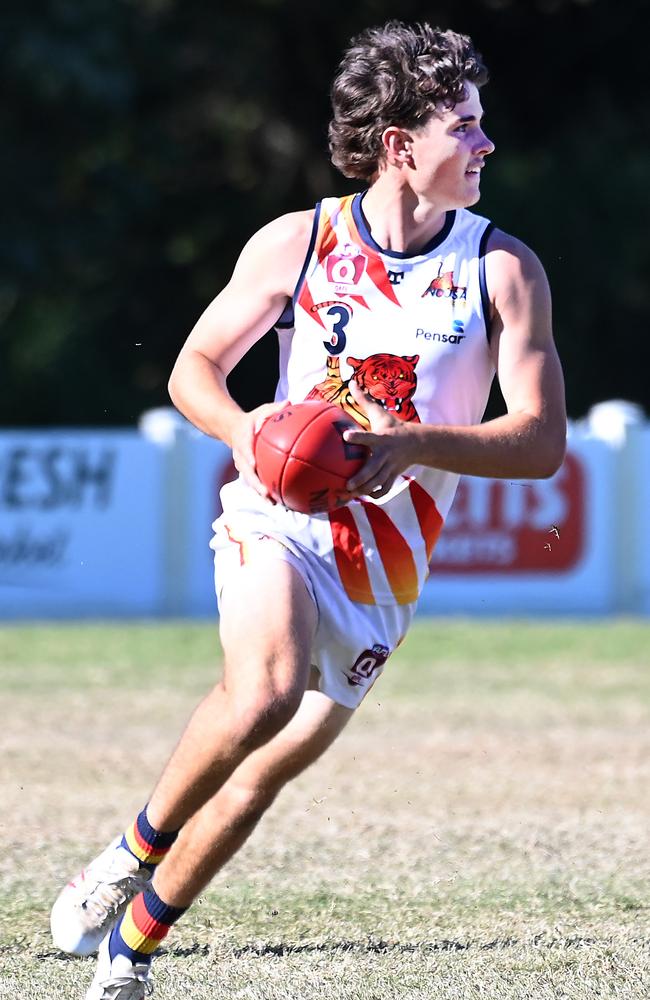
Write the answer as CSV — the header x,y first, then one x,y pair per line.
x,y
389,442
243,443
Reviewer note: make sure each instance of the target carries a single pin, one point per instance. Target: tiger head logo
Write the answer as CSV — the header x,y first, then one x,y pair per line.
x,y
389,379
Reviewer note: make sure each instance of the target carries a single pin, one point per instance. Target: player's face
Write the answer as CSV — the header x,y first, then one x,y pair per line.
x,y
449,153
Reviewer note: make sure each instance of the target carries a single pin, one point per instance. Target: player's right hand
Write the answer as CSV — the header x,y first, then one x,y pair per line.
x,y
243,443
388,443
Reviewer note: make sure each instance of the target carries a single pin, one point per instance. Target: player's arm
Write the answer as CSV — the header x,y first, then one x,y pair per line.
x,y
263,280
528,442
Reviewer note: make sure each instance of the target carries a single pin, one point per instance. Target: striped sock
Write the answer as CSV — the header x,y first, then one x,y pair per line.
x,y
148,845
144,924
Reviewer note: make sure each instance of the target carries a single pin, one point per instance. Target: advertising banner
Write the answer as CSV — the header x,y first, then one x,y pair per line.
x,y
529,547
504,527
81,523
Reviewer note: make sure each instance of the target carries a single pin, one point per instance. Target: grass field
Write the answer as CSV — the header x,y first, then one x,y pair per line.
x,y
480,830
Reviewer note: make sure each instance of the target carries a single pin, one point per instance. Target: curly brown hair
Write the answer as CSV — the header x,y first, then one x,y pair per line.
x,y
397,74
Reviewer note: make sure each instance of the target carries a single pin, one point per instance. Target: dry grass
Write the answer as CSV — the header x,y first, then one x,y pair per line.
x,y
480,830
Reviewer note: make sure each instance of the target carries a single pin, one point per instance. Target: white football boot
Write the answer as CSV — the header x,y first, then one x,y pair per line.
x,y
89,905
120,979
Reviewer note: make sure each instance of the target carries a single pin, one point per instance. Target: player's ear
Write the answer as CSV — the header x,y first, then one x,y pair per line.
x,y
398,146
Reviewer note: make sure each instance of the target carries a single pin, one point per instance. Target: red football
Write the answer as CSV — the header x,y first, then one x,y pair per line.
x,y
302,459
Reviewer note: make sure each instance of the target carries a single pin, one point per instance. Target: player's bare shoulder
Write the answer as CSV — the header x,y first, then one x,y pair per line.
x,y
277,251
511,265
518,289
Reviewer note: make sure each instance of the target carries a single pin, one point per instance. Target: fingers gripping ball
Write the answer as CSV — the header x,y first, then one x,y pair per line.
x,y
302,459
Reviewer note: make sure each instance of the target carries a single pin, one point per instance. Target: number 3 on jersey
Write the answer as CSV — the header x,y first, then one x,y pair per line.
x,y
337,341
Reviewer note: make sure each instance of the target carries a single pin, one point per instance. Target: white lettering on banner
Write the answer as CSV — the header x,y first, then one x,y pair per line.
x,y
534,505
549,507
37,478
478,504
493,547
24,548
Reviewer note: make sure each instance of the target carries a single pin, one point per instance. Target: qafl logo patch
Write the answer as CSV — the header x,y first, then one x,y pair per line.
x,y
345,269
367,664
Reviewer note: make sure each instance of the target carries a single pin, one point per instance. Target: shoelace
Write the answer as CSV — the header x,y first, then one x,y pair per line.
x,y
109,893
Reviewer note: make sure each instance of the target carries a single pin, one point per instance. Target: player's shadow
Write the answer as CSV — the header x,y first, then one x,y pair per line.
x,y
373,946
381,947
370,946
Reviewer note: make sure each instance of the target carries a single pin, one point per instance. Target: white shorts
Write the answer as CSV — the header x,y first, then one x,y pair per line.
x,y
352,641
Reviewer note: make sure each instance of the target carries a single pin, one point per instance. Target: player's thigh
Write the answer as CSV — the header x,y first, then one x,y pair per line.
x,y
268,620
312,730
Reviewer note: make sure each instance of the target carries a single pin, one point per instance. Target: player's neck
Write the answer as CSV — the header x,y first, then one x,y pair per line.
x,y
400,219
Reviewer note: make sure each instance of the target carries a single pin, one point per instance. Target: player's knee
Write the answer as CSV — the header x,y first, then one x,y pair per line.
x,y
265,712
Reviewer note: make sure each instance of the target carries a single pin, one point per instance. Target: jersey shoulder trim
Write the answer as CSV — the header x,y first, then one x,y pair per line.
x,y
485,298
310,249
286,318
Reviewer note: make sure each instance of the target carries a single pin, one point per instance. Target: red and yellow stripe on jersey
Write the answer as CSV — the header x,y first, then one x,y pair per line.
x,y
326,243
394,551
349,556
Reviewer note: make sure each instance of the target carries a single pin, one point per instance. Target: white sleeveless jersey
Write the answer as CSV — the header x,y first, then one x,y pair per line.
x,y
412,331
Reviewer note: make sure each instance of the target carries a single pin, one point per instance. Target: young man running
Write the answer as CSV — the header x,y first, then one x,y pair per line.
x,y
400,306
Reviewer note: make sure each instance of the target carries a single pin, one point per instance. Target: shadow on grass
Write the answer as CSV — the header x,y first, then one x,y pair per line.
x,y
381,947
371,946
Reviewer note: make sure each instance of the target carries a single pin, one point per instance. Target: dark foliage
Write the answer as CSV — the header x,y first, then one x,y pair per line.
x,y
145,140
